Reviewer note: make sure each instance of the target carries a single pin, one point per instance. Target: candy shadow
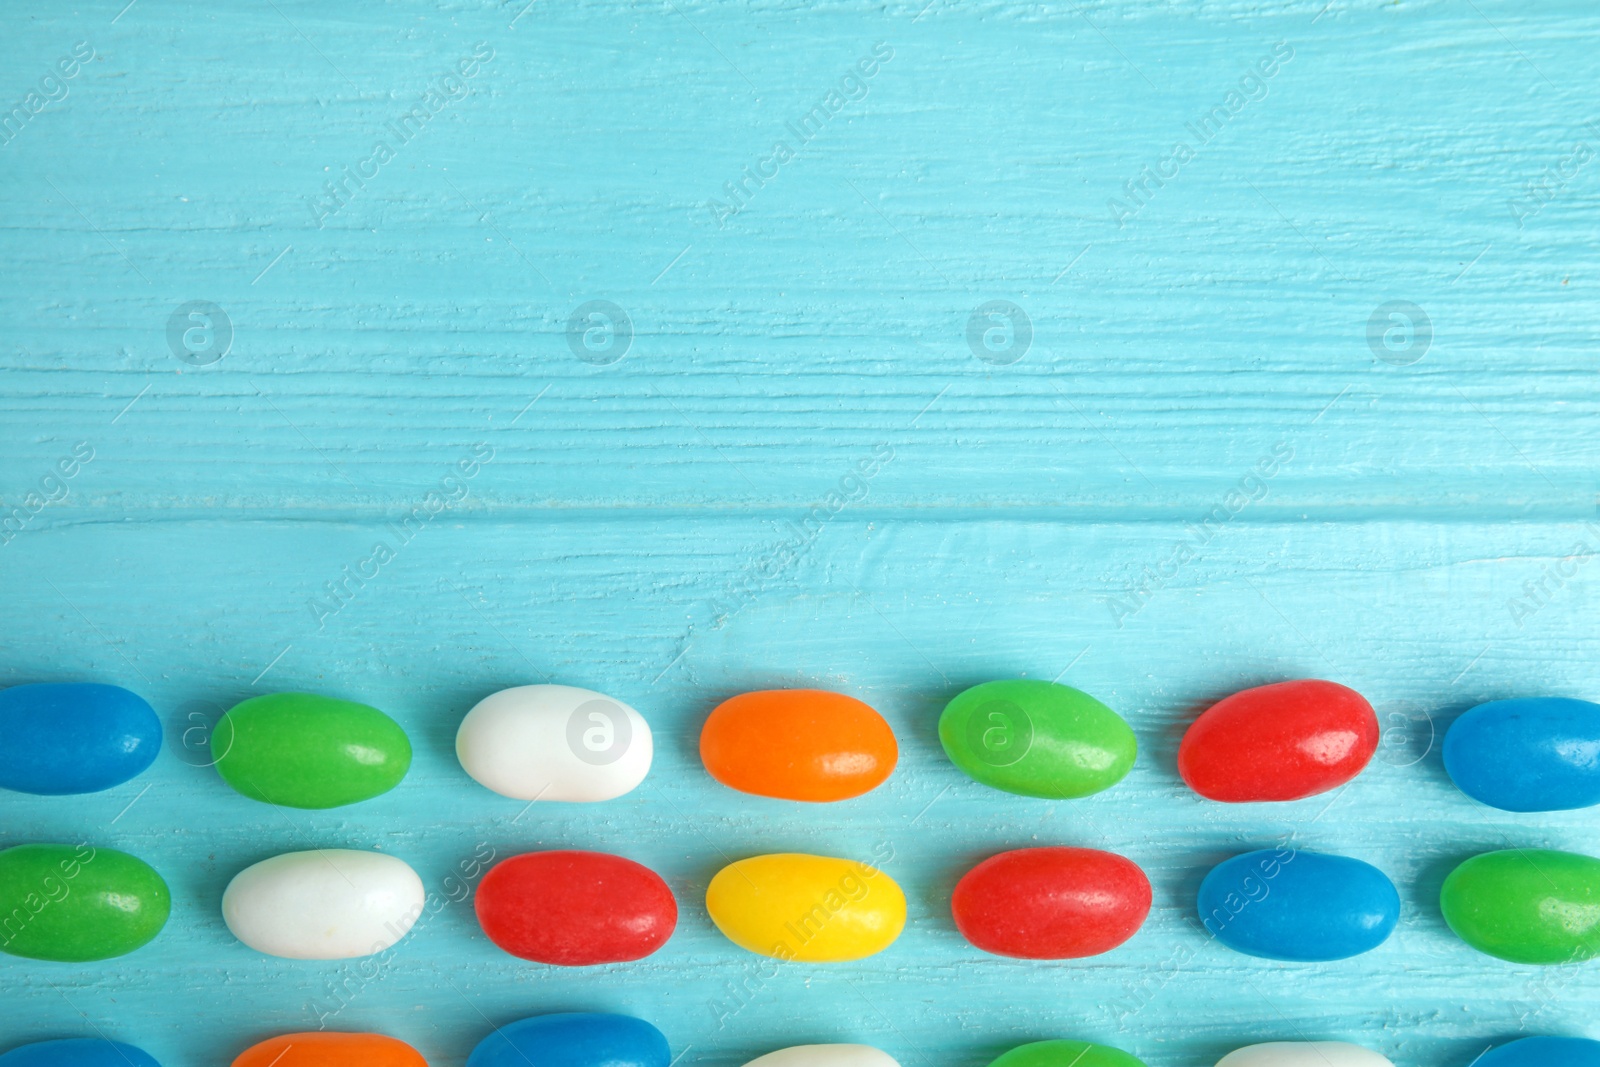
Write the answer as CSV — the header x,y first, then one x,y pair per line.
x,y
1181,888
1442,718
1466,1052
1164,752
929,705
935,899
980,1055
435,727
1429,880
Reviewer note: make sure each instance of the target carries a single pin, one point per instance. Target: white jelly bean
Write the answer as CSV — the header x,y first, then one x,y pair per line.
x,y
554,742
1304,1054
825,1056
330,904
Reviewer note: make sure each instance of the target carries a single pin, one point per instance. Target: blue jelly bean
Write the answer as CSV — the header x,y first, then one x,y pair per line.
x,y
573,1039
78,1052
1543,1052
74,737
1283,904
1529,754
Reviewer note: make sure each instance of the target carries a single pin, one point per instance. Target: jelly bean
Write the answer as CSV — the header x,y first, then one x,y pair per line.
x,y
554,742
1526,905
573,1039
798,744
74,737
823,1056
305,751
78,903
1289,905
328,904
1037,738
78,1052
813,908
575,908
1304,1054
1531,754
323,1049
1051,903
1527,1052
1279,742
1065,1054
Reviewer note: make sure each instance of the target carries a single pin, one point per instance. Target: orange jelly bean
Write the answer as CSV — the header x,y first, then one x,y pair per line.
x,y
330,1050
798,744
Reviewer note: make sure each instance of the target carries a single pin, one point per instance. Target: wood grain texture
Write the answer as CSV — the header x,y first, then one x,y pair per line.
x,y
692,521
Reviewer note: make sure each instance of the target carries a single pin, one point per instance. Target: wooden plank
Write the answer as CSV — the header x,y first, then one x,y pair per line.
x,y
802,471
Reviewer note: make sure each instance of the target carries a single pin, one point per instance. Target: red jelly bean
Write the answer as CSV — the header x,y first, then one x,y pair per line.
x,y
1051,903
1279,742
575,908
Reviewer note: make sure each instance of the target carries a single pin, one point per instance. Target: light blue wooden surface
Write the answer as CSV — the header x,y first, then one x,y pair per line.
x,y
1420,542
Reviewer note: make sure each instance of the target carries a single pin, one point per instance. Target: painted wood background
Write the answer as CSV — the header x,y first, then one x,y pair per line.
x,y
1193,449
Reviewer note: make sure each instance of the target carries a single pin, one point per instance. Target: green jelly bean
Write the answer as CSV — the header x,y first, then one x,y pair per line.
x,y
1526,905
305,751
1065,1054
76,903
1037,738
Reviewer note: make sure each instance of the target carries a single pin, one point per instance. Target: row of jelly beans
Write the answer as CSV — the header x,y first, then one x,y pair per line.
x,y
585,1039
1034,903
1276,742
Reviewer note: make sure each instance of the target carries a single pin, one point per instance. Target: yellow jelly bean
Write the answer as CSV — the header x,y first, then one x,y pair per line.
x,y
816,909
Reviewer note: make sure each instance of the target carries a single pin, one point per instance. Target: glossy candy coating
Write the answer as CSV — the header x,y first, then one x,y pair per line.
x,y
79,903
1037,739
555,742
798,744
78,1052
1526,905
324,1049
1304,1054
816,909
1279,742
1530,754
1528,1052
1051,903
573,1039
1294,905
74,737
326,904
575,908
299,750
825,1056
1065,1054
